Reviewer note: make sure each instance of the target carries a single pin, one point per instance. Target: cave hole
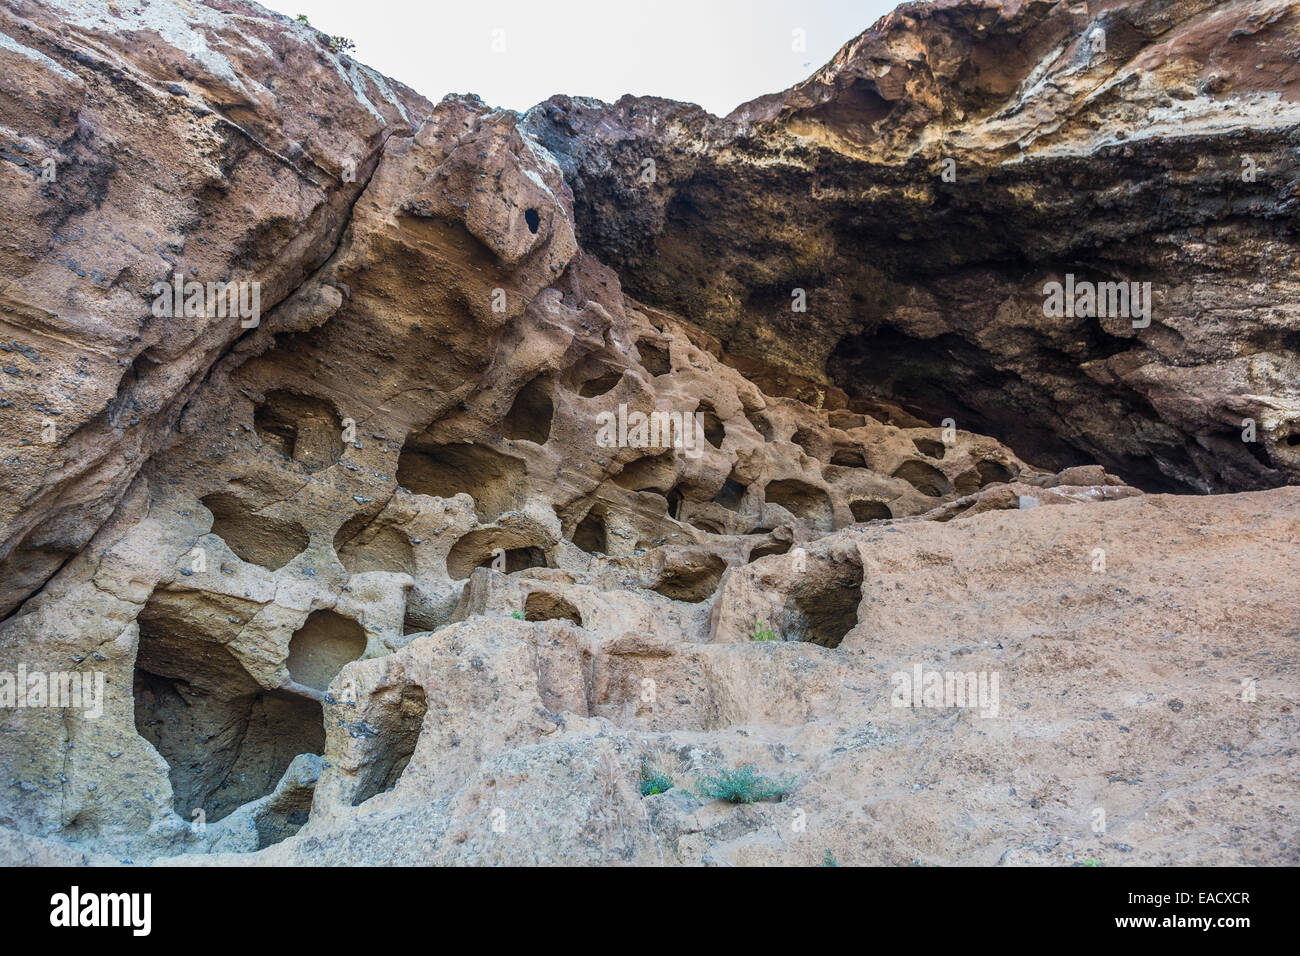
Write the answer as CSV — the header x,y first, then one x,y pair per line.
x,y
226,740
653,473
926,479
601,384
362,546
692,582
768,549
300,427
589,535
495,481
529,418
318,650
532,219
993,472
654,358
396,718
543,606
480,549
674,504
761,424
714,431
929,447
731,494
851,457
808,440
826,609
869,510
803,500
268,542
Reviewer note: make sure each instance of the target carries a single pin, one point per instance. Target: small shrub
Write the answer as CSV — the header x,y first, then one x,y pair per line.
x,y
654,781
763,632
302,18
743,785
341,45
517,615
1092,861
829,860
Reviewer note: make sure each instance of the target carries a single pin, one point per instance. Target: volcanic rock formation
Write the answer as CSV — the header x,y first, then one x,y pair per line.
x,y
367,581
924,186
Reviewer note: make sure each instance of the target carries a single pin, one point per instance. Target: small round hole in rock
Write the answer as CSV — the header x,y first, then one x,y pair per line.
x,y
590,534
924,478
993,472
714,431
929,447
319,649
533,219
869,510
595,387
531,414
541,606
771,548
654,357
849,458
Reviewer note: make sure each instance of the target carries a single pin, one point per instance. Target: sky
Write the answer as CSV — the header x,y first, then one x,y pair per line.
x,y
516,53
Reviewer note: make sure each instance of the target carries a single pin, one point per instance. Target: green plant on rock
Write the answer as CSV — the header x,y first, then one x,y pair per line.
x,y
654,781
743,785
302,18
763,632
829,860
517,615
341,45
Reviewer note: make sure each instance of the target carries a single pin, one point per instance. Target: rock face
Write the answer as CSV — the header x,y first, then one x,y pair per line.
x,y
926,184
399,569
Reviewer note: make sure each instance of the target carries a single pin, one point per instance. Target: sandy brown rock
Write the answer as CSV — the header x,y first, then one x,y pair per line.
x,y
220,142
374,581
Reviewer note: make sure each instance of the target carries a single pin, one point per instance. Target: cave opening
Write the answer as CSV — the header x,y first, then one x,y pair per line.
x,y
227,740
531,414
823,606
850,457
306,429
532,219
589,535
714,431
270,543
802,500
504,551
398,716
949,377
492,479
363,546
694,581
654,357
544,606
926,479
731,494
318,650
870,510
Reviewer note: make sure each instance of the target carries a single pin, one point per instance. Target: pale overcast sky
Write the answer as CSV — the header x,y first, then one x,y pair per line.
x,y
717,53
